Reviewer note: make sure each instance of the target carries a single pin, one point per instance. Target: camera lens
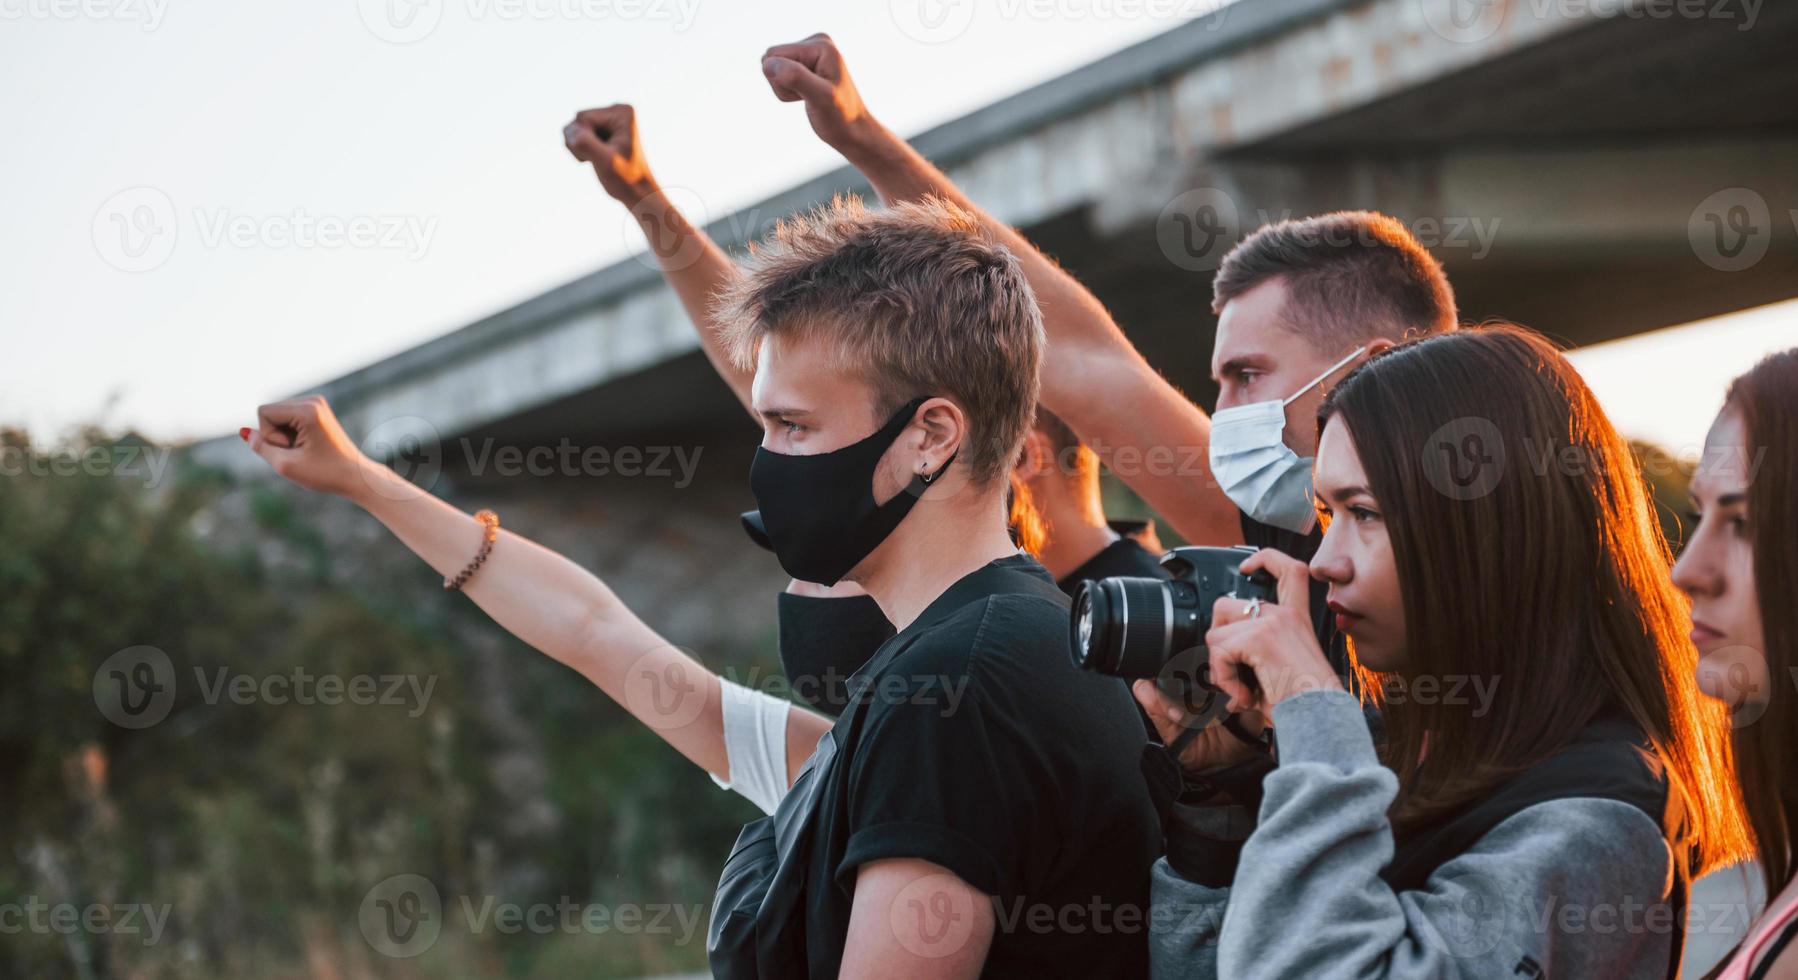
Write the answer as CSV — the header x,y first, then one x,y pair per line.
x,y
1123,626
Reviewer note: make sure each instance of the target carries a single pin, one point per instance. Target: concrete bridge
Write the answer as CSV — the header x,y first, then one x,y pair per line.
x,y
1593,168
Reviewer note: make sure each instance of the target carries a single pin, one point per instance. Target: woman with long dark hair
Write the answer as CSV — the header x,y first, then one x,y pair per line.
x,y
1550,777
1740,567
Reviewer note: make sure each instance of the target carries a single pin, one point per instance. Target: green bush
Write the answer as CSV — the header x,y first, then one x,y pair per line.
x,y
260,826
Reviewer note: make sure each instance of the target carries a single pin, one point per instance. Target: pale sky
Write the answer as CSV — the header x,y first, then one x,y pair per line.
x,y
239,116
171,168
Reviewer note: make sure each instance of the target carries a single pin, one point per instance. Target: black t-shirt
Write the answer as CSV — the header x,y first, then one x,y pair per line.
x,y
983,749
1304,548
1125,556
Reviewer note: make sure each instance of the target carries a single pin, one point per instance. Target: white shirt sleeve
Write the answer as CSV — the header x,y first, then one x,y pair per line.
x,y
755,745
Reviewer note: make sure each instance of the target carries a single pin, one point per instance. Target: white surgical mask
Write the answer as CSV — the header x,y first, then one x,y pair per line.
x,y
1255,467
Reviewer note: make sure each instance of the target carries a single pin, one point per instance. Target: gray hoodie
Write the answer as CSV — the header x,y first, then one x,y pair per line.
x,y
1574,887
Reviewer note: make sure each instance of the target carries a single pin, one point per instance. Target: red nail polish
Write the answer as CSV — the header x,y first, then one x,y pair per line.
x,y
244,433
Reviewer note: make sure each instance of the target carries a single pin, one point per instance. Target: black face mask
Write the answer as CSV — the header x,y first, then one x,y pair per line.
x,y
818,513
824,640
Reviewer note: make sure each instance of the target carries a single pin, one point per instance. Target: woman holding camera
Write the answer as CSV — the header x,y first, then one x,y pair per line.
x,y
1740,567
1549,777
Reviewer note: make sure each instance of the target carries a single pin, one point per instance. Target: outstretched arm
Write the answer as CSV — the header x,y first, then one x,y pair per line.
x,y
537,595
694,266
1145,430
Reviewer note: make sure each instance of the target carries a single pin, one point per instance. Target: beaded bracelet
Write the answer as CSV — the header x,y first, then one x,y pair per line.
x,y
490,521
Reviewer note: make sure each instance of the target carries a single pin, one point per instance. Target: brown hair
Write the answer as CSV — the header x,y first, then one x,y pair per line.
x,y
1073,460
1554,580
917,298
1767,750
1352,276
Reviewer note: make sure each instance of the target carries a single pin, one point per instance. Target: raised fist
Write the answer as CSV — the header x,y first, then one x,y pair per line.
x,y
812,71
607,139
304,443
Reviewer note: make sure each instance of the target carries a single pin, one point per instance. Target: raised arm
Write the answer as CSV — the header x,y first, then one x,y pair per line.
x,y
537,595
1148,433
695,267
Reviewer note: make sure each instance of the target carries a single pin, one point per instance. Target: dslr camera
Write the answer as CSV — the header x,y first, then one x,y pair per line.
x,y
1149,627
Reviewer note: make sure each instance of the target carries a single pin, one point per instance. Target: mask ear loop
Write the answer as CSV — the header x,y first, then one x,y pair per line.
x,y
1332,369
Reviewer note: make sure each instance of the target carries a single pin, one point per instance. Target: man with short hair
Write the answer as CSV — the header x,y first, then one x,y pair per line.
x,y
826,632
1298,303
978,784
